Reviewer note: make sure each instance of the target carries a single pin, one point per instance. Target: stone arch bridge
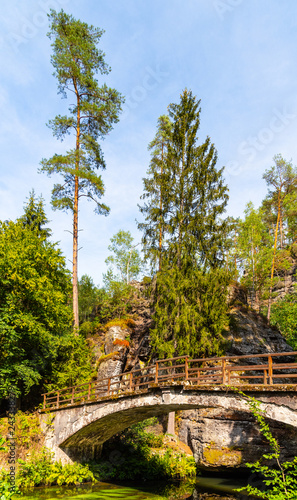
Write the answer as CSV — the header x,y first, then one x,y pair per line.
x,y
78,420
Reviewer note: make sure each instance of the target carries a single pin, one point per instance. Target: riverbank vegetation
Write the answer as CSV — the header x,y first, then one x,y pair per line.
x,y
277,479
137,453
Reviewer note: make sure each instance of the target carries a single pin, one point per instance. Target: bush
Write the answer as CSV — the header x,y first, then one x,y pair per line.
x,y
42,471
279,479
136,457
284,316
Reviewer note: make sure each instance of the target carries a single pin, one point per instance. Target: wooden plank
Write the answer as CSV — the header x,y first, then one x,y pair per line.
x,y
206,369
241,368
279,366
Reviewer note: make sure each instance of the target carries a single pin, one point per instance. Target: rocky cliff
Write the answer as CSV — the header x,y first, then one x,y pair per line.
x,y
217,438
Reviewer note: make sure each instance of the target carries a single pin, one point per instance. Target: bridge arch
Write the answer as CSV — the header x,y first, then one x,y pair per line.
x,y
79,431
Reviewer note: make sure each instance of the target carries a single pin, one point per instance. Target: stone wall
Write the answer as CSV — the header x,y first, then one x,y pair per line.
x,y
224,439
217,437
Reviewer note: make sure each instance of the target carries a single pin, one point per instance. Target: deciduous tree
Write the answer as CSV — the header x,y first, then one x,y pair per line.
x,y
125,256
34,312
282,176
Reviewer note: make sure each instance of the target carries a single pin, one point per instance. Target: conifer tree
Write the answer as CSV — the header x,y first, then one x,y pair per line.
x,y
76,60
190,291
34,216
155,187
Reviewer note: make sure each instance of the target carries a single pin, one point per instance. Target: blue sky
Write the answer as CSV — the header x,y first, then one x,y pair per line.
x,y
237,56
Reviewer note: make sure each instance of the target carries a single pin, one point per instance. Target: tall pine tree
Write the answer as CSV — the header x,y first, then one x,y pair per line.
x,y
76,60
191,288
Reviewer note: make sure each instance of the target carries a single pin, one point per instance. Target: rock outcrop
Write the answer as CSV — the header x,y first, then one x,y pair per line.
x,y
218,438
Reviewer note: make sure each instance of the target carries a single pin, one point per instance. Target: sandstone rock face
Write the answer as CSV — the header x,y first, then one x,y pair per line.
x,y
250,334
114,365
224,439
219,438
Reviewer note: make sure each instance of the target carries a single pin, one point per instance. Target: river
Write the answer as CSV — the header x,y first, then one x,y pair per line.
x,y
204,489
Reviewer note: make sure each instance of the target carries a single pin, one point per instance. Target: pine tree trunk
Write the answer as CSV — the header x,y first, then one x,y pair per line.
x,y
75,226
281,229
273,259
75,251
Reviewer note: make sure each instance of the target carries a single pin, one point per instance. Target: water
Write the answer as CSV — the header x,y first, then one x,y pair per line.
x,y
205,489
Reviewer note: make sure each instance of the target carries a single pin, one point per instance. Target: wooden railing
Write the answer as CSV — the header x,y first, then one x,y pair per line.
x,y
227,370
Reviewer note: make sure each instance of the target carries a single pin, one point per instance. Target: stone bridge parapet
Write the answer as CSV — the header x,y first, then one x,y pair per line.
x,y
78,431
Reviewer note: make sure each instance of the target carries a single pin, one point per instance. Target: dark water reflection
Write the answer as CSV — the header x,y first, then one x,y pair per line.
x,y
205,489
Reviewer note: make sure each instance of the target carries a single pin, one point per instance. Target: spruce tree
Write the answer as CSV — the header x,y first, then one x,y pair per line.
x,y
76,60
156,184
190,290
34,216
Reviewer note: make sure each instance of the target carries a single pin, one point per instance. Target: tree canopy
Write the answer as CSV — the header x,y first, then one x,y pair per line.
x,y
34,309
76,60
190,290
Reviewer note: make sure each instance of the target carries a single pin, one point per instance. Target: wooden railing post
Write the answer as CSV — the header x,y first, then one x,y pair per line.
x,y
265,377
224,372
72,395
130,381
156,373
89,391
58,399
108,387
186,368
270,370
44,401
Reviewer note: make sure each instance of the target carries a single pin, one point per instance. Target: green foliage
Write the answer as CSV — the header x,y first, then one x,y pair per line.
x,y
76,60
255,253
280,482
6,489
34,311
190,312
115,299
185,197
125,257
73,363
34,216
155,187
87,297
42,471
134,458
284,316
281,179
